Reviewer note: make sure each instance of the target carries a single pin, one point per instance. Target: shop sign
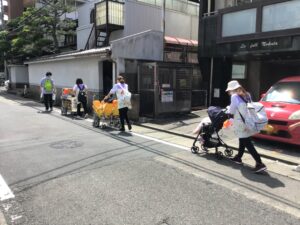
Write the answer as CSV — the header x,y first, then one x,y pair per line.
x,y
266,44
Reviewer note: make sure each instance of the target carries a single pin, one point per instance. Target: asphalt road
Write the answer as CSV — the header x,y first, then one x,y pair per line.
x,y
63,171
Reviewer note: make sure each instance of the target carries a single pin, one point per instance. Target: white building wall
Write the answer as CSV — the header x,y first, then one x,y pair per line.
x,y
84,13
18,74
83,33
139,17
65,72
84,26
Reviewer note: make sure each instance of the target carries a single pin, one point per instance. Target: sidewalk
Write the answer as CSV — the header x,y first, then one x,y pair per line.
x,y
183,125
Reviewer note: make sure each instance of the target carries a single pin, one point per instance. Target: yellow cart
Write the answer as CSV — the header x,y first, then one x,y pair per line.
x,y
105,114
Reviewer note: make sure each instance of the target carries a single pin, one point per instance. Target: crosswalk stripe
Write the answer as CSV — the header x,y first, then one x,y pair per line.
x,y
5,192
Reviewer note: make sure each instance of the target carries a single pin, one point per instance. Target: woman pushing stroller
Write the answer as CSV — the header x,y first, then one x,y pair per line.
x,y
238,104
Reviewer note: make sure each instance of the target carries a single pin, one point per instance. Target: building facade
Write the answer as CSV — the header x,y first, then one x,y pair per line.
x,y
132,32
254,42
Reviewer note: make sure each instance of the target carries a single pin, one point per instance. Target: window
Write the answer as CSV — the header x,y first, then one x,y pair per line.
x,y
239,23
238,71
281,16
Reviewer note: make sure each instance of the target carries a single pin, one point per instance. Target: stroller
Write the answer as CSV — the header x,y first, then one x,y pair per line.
x,y
208,133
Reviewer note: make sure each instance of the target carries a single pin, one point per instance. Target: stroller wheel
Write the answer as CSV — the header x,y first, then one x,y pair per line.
x,y
96,121
219,155
195,149
228,152
204,148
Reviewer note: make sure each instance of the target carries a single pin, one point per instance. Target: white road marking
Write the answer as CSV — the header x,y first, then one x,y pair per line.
x,y
5,192
154,139
161,141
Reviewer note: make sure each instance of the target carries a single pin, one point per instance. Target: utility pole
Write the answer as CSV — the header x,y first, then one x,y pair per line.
x,y
163,26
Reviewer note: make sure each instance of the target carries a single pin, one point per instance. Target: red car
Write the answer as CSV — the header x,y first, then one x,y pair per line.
x,y
282,103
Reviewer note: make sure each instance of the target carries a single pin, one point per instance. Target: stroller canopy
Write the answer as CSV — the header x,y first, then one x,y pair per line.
x,y
217,117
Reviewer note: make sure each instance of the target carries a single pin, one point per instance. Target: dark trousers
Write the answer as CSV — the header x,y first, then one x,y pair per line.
x,y
247,143
48,101
83,103
123,116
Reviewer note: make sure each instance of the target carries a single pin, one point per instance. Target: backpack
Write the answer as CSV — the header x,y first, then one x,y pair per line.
x,y
81,94
48,85
126,97
256,117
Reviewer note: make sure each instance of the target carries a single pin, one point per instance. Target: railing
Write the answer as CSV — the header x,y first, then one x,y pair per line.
x,y
210,13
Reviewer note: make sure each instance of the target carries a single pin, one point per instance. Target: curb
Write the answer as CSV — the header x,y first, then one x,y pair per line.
x,y
233,147
2,219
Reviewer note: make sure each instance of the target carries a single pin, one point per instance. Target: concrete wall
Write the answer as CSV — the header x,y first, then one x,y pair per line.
x,y
143,46
18,76
65,72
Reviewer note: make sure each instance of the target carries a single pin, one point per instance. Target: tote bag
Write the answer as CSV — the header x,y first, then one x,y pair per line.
x,y
125,97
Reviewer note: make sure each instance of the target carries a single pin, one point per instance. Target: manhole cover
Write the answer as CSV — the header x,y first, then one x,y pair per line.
x,y
67,144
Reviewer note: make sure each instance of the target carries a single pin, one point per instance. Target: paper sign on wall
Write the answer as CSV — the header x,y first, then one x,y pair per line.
x,y
167,96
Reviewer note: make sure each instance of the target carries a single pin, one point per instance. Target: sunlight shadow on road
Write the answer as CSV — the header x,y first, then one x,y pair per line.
x,y
246,171
264,178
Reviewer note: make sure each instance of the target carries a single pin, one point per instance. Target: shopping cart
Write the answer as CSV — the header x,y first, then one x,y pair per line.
x,y
69,102
106,114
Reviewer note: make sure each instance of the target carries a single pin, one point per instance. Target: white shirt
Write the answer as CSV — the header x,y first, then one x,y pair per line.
x,y
119,89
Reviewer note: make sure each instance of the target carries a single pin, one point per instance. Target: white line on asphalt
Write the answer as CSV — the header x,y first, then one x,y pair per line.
x,y
154,139
160,141
5,192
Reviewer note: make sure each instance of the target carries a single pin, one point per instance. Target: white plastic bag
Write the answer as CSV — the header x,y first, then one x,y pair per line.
x,y
53,96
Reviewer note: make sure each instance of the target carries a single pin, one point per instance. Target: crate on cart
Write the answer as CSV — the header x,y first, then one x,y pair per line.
x,y
69,102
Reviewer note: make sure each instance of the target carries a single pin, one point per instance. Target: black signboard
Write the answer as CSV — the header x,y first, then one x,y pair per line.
x,y
264,44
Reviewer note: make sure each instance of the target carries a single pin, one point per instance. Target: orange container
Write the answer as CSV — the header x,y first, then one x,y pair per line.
x,y
67,91
115,111
106,109
227,123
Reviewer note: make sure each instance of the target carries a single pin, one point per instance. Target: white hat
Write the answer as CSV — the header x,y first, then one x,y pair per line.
x,y
232,85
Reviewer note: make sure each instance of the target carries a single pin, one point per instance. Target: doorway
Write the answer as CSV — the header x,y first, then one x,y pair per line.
x,y
107,76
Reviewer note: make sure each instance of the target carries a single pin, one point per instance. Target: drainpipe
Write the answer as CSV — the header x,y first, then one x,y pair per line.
x,y
209,7
211,80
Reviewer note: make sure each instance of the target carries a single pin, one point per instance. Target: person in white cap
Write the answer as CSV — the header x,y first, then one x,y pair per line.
x,y
239,98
